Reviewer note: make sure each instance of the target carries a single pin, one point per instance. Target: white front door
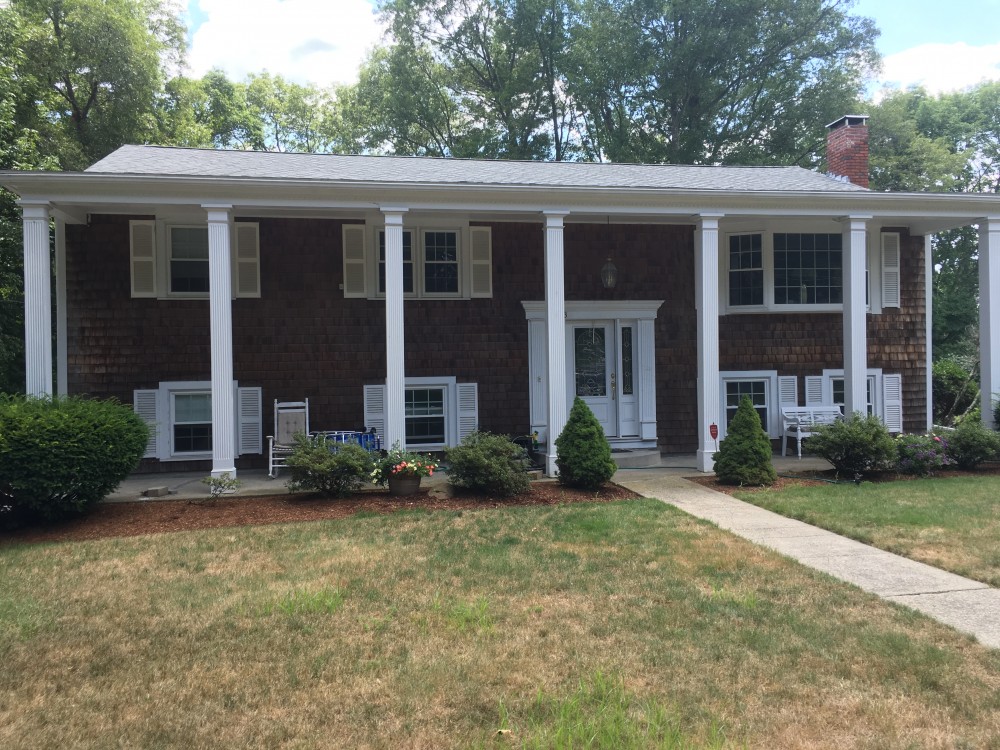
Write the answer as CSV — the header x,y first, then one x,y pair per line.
x,y
593,376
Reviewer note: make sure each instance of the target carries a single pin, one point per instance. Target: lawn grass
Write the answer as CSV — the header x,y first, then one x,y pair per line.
x,y
951,523
618,625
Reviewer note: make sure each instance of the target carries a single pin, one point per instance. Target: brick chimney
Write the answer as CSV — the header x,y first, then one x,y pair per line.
x,y
847,148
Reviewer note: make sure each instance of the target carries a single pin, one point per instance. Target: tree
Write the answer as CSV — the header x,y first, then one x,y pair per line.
x,y
744,455
737,82
92,70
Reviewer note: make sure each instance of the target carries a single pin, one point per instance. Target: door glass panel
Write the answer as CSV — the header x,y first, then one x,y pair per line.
x,y
591,362
627,361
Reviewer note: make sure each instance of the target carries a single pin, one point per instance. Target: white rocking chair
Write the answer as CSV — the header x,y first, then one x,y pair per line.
x,y
290,419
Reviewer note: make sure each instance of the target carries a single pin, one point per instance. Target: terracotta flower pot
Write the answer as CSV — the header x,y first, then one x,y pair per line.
x,y
401,486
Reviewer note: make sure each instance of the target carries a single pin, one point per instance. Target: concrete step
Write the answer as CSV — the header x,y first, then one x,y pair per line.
x,y
636,458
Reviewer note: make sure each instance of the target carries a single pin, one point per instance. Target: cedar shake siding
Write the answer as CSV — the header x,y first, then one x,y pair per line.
x,y
303,338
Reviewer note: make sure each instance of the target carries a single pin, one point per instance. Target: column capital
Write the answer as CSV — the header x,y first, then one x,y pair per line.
x,y
218,212
35,209
709,220
393,214
554,216
854,219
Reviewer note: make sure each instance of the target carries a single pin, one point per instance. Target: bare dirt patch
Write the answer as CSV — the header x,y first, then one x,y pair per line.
x,y
163,516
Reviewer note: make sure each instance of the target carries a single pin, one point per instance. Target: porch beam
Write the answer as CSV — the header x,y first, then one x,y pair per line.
x,y
395,360
989,315
37,300
855,240
555,324
220,299
706,273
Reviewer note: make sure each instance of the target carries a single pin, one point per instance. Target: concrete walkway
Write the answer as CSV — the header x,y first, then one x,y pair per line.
x,y
969,606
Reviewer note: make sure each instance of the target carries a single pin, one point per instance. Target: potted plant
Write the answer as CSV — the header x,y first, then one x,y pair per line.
x,y
402,470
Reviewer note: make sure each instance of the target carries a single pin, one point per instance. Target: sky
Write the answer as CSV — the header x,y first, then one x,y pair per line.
x,y
944,45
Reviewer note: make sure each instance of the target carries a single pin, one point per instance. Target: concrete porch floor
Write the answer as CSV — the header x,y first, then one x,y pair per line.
x,y
256,482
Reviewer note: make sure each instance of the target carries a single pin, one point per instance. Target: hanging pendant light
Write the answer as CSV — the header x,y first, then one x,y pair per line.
x,y
609,274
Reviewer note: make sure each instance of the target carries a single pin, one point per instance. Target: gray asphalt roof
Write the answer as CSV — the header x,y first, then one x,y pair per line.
x,y
183,162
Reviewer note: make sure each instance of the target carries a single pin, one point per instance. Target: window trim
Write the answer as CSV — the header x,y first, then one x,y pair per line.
x,y
448,385
172,395
773,399
873,374
872,276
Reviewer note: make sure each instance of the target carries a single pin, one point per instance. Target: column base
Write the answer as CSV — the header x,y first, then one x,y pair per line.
x,y
219,471
705,461
551,470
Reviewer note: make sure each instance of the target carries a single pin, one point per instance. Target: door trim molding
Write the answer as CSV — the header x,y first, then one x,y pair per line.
x,y
598,309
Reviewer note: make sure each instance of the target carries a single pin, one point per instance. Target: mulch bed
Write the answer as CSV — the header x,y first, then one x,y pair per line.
x,y
161,516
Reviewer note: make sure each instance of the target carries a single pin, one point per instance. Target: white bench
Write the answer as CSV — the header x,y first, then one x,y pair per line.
x,y
800,422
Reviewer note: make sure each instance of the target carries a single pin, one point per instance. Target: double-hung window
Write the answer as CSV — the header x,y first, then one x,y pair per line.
x,y
191,421
425,416
746,269
839,398
188,260
441,263
757,390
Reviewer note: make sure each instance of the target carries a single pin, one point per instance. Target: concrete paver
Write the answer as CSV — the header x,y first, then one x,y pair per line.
x,y
969,606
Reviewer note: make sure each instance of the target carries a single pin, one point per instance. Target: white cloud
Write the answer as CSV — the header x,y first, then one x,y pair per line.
x,y
306,41
942,67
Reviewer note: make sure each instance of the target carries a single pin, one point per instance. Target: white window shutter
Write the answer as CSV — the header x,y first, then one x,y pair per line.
x,y
375,409
250,416
468,409
788,390
814,390
890,269
482,262
142,254
892,402
144,403
355,267
247,265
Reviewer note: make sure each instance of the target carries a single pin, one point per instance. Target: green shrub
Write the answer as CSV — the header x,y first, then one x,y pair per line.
x,y
744,456
855,445
972,443
955,390
489,463
921,454
583,454
332,469
58,456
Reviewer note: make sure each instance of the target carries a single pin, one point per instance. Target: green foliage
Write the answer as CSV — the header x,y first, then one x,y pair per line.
x,y
333,470
490,464
59,456
972,443
855,445
744,456
226,484
921,455
956,390
397,462
583,454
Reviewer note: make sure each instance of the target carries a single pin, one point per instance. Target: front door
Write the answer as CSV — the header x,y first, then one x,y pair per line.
x,y
593,375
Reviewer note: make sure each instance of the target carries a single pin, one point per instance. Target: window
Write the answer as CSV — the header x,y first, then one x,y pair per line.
x,y
746,269
189,260
407,262
441,262
808,269
171,259
179,417
837,391
755,390
192,422
437,263
783,271
425,416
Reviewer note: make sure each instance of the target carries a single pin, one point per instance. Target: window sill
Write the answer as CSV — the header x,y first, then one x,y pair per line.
x,y
189,457
778,309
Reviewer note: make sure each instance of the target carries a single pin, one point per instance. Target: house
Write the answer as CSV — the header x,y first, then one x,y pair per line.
x,y
425,297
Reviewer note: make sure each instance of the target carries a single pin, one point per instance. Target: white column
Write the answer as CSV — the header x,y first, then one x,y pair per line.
x,y
62,370
395,369
220,293
989,314
929,312
37,300
555,322
855,239
706,275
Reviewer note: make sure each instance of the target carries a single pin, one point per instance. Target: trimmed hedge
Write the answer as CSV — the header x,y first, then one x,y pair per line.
x,y
972,443
488,463
583,454
61,455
